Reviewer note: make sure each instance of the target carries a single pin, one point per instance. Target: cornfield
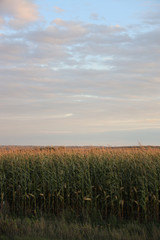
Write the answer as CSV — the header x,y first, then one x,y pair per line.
x,y
106,182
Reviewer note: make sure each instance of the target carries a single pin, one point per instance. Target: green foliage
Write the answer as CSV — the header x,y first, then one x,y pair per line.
x,y
96,185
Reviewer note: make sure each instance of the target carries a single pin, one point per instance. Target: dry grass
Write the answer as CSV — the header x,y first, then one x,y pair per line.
x,y
42,229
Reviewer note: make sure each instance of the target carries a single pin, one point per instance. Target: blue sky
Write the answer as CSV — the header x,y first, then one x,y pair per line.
x,y
108,12
79,72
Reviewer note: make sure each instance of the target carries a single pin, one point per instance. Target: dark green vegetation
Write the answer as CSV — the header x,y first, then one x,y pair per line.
x,y
84,187
42,229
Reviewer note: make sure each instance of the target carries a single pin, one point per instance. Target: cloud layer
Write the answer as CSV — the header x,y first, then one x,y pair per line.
x,y
72,77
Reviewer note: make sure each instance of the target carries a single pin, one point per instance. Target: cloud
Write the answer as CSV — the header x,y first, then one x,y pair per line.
x,y
75,77
56,132
152,17
19,12
94,16
31,117
1,22
59,32
58,9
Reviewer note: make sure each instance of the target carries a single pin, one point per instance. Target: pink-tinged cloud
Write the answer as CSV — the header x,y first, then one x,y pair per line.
x,y
58,9
20,12
59,32
1,21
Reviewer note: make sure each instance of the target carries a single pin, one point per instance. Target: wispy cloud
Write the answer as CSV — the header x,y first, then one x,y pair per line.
x,y
58,9
94,16
56,132
33,117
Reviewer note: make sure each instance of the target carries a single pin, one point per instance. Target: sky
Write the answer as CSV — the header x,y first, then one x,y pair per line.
x,y
78,73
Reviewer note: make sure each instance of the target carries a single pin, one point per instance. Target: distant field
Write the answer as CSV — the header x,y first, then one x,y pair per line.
x,y
87,182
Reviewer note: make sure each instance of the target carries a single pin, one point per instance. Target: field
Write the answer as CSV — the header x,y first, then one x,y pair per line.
x,y
92,185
